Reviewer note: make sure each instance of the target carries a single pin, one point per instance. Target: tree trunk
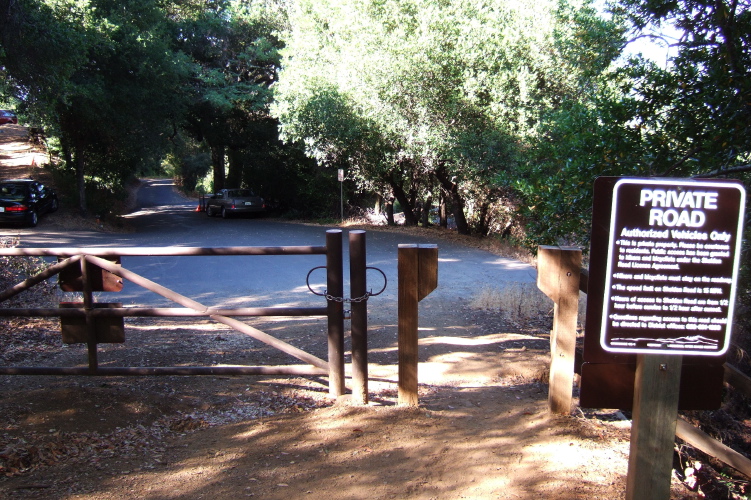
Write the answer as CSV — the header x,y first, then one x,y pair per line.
x,y
67,155
235,174
452,189
426,211
443,216
484,223
415,204
401,196
389,206
80,179
217,161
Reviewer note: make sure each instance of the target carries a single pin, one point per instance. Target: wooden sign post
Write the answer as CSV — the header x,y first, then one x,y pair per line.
x,y
655,413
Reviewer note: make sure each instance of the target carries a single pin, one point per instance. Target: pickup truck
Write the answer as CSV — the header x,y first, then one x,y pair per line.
x,y
228,202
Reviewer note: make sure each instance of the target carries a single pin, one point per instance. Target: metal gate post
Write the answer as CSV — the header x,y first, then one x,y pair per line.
x,y
335,311
358,285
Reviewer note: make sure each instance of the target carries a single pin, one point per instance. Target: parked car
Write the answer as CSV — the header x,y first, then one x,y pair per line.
x,y
229,202
7,117
24,200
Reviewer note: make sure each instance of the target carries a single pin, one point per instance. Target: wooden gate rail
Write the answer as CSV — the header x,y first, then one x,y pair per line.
x,y
560,277
334,310
132,371
152,312
163,251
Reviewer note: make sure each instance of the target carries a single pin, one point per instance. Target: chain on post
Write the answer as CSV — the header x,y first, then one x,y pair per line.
x,y
345,300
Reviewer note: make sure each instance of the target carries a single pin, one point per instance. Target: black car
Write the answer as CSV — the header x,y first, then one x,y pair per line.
x,y
24,200
235,201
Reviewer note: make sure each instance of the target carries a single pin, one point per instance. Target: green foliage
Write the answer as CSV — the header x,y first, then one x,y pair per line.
x,y
686,119
706,84
188,162
690,118
105,195
404,92
274,170
235,49
488,104
112,114
578,143
41,46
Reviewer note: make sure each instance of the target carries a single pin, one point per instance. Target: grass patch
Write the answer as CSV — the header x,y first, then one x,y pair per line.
x,y
521,303
518,302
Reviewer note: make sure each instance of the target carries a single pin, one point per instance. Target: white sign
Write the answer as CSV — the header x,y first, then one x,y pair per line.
x,y
672,266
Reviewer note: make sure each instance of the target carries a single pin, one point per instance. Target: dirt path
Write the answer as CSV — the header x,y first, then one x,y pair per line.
x,y
482,429
17,155
170,438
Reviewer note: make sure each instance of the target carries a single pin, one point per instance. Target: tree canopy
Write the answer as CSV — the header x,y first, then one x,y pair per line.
x,y
413,95
115,83
686,118
503,112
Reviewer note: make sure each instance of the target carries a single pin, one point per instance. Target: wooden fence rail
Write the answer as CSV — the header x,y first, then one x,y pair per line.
x,y
94,264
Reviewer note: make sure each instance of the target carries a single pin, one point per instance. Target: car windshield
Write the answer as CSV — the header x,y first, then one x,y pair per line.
x,y
13,192
240,193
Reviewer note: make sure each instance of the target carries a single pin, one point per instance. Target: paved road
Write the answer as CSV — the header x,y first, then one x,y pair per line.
x,y
164,218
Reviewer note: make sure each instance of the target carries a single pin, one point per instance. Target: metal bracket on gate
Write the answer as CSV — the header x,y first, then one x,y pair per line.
x,y
345,299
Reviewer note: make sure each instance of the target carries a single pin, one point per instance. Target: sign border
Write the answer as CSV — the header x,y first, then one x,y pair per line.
x,y
662,181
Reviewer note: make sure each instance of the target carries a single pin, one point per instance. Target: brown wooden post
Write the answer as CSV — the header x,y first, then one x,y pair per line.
x,y
650,462
418,276
408,277
427,273
335,288
558,272
359,320
88,306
